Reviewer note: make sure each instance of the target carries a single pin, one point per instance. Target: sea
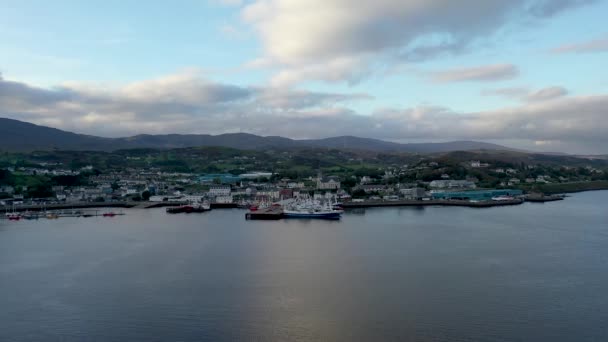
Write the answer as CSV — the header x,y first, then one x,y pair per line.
x,y
533,272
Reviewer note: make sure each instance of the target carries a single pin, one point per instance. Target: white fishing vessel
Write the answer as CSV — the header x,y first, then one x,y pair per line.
x,y
311,209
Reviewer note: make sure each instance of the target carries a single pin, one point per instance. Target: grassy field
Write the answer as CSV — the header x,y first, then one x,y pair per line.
x,y
557,188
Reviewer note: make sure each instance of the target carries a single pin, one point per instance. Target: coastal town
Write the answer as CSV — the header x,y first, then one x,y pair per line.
x,y
427,181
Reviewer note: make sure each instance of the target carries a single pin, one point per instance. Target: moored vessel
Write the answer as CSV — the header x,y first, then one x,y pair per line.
x,y
311,209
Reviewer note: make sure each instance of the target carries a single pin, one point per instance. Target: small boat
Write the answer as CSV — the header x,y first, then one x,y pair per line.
x,y
196,208
502,198
13,217
109,214
52,216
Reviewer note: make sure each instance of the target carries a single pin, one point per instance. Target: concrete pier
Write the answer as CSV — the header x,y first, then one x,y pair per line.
x,y
414,203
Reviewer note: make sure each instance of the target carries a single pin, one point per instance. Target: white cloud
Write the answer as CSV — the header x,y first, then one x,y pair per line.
x,y
336,70
547,94
597,45
187,103
495,72
527,95
303,36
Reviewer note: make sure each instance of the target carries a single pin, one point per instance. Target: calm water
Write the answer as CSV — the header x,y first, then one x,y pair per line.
x,y
536,272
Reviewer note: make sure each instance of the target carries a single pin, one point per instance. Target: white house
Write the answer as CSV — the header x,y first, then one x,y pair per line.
x,y
477,163
219,190
223,199
328,183
413,193
372,188
452,184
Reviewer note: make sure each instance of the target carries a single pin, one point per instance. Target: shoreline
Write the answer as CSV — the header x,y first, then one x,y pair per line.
x,y
568,188
348,205
446,203
79,205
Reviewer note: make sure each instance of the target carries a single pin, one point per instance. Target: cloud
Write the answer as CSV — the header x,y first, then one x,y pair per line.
x,y
597,45
177,101
337,70
300,38
188,103
527,95
547,94
512,92
485,73
548,8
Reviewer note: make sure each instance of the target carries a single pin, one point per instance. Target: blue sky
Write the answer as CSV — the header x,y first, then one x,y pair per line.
x,y
499,66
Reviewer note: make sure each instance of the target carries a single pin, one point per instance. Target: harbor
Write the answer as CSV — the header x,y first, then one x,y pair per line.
x,y
56,214
305,207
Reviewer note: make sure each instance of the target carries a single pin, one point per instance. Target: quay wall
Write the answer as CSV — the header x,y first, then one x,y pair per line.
x,y
415,203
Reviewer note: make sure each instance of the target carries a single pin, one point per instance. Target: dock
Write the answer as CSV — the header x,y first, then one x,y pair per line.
x,y
66,206
543,198
270,213
416,203
55,214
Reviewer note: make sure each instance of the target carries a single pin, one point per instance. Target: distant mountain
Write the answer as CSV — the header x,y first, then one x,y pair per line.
x,y
23,136
350,142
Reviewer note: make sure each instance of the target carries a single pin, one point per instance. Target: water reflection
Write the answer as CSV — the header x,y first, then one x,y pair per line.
x,y
414,273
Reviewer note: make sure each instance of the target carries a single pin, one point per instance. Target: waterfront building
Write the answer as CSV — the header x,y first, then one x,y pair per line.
x,y
477,195
158,198
413,193
219,190
193,198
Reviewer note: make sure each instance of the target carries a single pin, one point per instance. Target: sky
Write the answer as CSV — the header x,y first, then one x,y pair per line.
x,y
529,74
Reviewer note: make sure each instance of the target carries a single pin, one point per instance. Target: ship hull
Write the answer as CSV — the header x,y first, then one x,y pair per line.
x,y
317,215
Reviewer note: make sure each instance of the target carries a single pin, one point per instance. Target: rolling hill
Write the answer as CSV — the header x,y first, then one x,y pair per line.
x,y
19,136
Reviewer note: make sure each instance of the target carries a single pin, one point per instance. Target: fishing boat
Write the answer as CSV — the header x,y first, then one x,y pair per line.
x,y
311,209
13,216
190,208
320,214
